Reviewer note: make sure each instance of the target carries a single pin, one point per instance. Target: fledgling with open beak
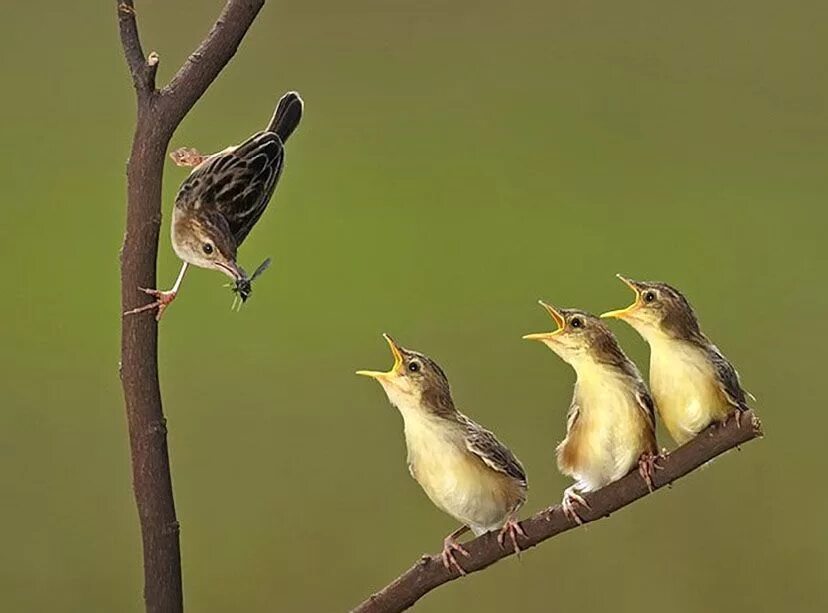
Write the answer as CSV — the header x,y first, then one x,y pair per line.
x,y
222,199
693,384
610,426
460,465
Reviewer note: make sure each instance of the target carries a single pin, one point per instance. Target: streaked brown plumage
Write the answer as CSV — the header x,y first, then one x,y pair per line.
x,y
611,421
222,199
460,465
693,383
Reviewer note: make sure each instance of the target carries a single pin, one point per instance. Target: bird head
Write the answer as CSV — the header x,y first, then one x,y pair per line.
x,y
658,310
579,338
205,240
414,382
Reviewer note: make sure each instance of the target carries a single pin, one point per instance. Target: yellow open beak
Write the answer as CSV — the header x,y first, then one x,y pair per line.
x,y
395,369
545,336
621,313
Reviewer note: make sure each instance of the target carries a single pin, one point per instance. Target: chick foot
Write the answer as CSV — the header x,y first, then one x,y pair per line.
x,y
449,547
512,529
571,500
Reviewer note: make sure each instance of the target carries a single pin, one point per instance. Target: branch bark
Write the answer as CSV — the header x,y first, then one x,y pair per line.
x,y
428,573
158,116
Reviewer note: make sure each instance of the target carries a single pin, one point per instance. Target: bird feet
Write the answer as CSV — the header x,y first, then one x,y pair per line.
x,y
571,500
736,415
512,529
162,301
187,157
449,547
648,465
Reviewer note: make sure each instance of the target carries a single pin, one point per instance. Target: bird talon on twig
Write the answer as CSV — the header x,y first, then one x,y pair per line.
x,y
162,301
571,499
449,561
512,528
647,466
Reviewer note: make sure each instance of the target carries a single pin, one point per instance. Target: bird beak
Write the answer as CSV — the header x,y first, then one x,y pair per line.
x,y
546,336
395,369
622,313
232,270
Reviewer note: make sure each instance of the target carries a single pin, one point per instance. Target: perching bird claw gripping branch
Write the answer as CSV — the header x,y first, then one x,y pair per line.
x,y
429,572
159,113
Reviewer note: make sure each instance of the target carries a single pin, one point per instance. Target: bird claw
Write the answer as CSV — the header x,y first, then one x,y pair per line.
x,y
648,465
571,499
162,301
512,528
187,157
449,561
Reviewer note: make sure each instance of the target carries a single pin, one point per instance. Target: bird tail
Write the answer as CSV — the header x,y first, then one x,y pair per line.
x,y
287,116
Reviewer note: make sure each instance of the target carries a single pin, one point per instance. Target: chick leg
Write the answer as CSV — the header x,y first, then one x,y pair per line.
x,y
647,465
163,299
450,545
736,415
571,499
512,528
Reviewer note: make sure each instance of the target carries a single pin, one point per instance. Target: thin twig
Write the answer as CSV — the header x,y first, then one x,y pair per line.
x,y
429,573
205,63
142,70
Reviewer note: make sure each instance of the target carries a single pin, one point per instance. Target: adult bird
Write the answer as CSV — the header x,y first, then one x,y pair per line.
x,y
222,199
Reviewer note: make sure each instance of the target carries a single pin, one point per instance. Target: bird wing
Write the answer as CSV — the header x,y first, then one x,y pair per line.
x,y
646,404
572,414
494,454
728,379
238,182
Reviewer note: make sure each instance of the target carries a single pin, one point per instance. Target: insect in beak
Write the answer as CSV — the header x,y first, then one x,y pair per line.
x,y
243,286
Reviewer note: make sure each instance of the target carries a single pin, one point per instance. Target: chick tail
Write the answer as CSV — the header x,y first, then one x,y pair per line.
x,y
287,116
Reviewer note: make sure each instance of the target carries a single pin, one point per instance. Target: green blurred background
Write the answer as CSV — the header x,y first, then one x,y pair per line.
x,y
457,161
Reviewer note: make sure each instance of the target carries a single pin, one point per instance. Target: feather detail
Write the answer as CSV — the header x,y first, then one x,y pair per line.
x,y
494,454
238,182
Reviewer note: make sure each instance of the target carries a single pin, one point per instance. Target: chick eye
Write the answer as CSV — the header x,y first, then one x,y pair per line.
x,y
576,322
207,248
414,366
649,296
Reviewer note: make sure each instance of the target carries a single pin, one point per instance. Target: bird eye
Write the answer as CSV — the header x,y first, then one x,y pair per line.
x,y
207,248
414,366
576,322
649,296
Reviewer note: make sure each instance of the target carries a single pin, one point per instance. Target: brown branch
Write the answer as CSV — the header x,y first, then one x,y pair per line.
x,y
155,124
205,63
141,68
429,573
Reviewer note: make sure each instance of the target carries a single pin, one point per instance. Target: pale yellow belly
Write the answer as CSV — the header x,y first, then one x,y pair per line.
x,y
686,393
459,483
605,443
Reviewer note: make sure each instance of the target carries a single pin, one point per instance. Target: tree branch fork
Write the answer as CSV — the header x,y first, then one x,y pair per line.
x,y
429,572
158,115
